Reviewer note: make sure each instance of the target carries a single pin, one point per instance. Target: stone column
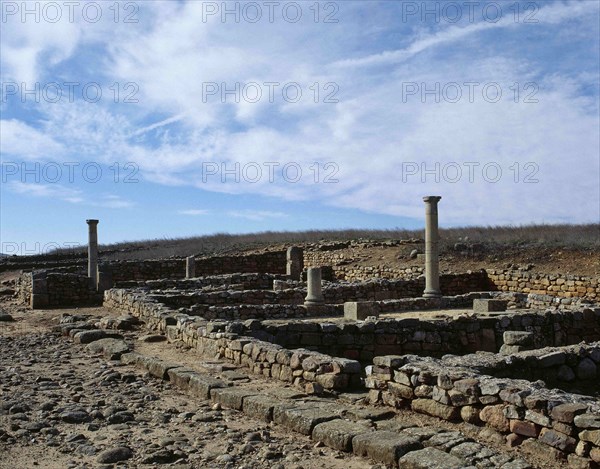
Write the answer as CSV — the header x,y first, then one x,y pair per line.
x,y
190,267
295,263
432,267
93,252
313,285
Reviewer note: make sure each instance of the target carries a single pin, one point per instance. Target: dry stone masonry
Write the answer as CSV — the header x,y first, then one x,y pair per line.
x,y
466,389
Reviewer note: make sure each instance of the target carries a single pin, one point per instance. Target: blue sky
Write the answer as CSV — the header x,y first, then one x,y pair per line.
x,y
169,119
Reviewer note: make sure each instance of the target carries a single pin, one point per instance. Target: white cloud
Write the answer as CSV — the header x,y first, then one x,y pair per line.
x,y
55,191
255,215
67,194
551,14
194,212
111,201
21,141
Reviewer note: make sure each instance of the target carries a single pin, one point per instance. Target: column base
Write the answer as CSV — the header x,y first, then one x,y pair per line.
x,y
314,302
432,294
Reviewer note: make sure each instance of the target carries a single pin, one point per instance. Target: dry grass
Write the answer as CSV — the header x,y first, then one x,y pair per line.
x,y
583,237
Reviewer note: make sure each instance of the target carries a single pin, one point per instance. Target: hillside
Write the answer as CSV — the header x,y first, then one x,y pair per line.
x,y
546,248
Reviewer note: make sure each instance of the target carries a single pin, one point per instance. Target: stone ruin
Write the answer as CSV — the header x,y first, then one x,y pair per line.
x,y
520,356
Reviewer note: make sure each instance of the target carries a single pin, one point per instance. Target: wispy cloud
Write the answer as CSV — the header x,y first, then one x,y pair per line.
x,y
19,140
193,212
74,196
112,201
67,194
255,215
553,14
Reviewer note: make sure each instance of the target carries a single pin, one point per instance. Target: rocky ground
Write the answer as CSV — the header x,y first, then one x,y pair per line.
x,y
62,407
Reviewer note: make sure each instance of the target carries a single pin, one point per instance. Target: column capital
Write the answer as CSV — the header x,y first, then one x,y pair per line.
x,y
92,222
432,198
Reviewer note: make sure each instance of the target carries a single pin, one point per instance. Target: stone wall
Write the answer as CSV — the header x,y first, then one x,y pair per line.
x,y
344,268
564,286
141,304
269,262
29,263
294,366
381,289
245,281
230,297
41,289
364,340
459,388
299,367
198,295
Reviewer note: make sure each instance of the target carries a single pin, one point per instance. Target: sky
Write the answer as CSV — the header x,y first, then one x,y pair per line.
x,y
168,119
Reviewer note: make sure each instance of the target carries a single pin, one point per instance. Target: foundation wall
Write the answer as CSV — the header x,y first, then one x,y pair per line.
x,y
451,389
563,286
269,262
41,289
365,340
225,340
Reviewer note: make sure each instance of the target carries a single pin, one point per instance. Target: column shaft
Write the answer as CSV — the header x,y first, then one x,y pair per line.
x,y
432,268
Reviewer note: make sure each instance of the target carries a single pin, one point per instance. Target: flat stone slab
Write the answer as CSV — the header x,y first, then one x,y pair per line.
x,y
430,458
180,377
112,349
159,368
517,338
232,398
303,418
260,407
384,446
86,337
338,434
201,386
488,305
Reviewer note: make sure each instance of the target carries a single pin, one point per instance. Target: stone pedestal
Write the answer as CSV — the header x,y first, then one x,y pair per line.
x,y
359,310
105,281
93,252
190,267
489,306
313,285
295,263
432,267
